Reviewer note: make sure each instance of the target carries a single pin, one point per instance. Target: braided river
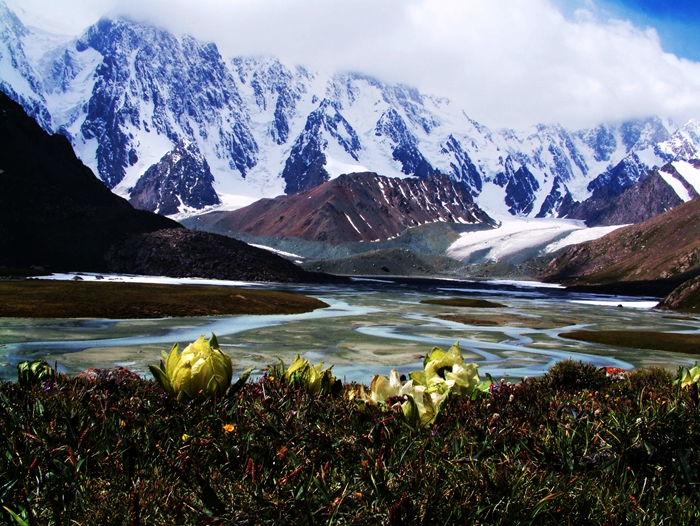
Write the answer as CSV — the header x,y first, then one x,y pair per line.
x,y
371,326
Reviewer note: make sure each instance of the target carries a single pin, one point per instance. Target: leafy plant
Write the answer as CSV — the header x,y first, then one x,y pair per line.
x,y
570,375
37,372
687,377
313,379
86,452
653,377
201,371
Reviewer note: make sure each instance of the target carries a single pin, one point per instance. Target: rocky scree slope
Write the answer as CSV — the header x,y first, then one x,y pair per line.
x,y
56,214
127,95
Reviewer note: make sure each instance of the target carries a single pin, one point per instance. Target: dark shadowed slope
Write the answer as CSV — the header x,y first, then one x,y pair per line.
x,y
56,214
53,211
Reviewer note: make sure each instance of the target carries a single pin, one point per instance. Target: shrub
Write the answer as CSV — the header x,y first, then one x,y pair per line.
x,y
570,375
654,378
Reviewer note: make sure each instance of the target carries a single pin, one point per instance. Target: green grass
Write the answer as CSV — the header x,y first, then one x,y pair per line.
x,y
544,451
89,299
658,341
465,302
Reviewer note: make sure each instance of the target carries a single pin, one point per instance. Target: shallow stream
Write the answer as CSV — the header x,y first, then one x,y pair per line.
x,y
370,327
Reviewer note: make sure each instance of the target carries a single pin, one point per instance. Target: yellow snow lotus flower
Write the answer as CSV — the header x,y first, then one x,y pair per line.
x,y
418,406
202,370
314,379
690,376
446,372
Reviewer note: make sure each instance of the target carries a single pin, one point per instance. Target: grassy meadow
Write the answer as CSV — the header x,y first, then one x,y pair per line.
x,y
572,447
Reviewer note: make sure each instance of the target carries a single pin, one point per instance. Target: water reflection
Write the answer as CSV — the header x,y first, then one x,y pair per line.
x,y
370,327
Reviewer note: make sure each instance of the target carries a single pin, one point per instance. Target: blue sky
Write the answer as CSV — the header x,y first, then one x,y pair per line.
x,y
676,21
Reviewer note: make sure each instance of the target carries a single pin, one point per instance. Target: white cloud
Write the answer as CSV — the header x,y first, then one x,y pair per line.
x,y
506,62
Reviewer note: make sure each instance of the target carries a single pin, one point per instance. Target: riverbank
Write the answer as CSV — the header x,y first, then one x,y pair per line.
x,y
110,300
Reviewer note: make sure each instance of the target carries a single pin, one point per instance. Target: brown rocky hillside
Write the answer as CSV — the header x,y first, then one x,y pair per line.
x,y
353,207
665,247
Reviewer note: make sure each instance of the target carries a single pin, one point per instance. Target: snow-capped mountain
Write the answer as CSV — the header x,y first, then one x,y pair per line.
x,y
127,95
658,191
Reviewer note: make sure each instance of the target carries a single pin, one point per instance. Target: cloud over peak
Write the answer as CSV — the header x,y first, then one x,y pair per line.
x,y
506,62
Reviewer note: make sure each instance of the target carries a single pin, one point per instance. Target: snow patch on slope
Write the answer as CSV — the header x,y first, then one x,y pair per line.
x,y
581,236
676,185
689,173
514,236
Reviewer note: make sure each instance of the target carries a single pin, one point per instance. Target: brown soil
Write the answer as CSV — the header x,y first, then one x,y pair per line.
x,y
69,299
502,320
660,248
659,341
465,302
491,321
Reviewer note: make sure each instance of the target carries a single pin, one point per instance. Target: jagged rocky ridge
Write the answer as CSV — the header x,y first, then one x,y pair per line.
x,y
126,94
653,193
180,180
56,214
354,207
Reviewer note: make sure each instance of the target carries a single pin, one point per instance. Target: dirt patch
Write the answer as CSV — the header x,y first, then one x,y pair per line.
x,y
491,321
658,341
69,299
465,302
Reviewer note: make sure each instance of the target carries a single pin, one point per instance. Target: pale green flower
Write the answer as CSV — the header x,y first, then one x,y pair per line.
x,y
314,379
421,397
690,376
202,370
446,372
418,405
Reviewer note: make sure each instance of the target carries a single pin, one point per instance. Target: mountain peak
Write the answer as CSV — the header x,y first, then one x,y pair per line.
x,y
128,93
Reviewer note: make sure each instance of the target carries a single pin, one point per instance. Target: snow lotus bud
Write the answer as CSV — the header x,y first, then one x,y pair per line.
x,y
312,378
202,370
690,376
34,373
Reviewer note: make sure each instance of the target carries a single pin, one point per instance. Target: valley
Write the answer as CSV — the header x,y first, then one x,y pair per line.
x,y
307,180
371,326
402,263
